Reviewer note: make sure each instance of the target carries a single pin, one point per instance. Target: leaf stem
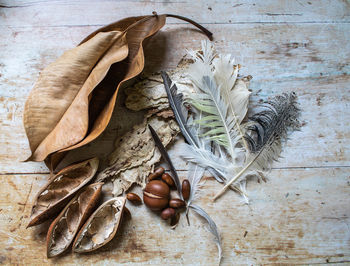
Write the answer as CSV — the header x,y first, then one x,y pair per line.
x,y
206,32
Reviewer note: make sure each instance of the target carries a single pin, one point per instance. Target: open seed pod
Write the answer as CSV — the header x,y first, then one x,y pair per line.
x,y
101,227
60,189
64,228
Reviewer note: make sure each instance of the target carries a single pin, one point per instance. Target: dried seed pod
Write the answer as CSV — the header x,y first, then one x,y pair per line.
x,y
60,189
168,179
64,228
134,198
101,227
177,203
186,189
156,195
167,213
157,173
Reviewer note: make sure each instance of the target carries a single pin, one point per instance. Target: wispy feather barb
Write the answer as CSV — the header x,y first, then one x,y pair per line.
x,y
267,131
212,227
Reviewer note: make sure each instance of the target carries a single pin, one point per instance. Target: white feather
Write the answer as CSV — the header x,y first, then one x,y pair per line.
x,y
234,92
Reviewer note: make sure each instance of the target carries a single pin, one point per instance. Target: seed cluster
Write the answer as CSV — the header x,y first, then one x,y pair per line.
x,y
156,195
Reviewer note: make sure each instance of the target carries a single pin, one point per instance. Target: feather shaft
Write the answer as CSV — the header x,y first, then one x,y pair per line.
x,y
228,184
166,157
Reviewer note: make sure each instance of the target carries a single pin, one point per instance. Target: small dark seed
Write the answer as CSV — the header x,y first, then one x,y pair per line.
x,y
186,189
127,213
134,198
167,213
175,220
157,173
168,179
177,203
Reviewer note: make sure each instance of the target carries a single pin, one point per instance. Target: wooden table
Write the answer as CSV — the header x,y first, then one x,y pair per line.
x,y
300,216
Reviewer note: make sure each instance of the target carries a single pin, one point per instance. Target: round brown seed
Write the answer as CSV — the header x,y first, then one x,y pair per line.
x,y
167,213
168,179
156,195
186,189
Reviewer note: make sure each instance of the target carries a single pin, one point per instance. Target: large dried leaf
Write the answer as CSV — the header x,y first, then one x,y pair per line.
x,y
101,227
73,100
64,228
60,189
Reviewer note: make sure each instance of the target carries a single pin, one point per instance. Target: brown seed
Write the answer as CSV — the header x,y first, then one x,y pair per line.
x,y
126,213
167,213
168,179
156,195
186,189
175,220
134,198
176,203
157,173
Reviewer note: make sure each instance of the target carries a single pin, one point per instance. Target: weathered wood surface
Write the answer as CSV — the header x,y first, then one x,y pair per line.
x,y
300,216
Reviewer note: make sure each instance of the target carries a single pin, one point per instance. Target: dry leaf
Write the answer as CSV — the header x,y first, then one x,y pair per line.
x,y
73,100
64,228
60,189
101,227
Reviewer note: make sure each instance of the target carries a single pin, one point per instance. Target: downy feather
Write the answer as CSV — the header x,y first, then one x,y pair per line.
x,y
223,73
219,125
268,130
235,92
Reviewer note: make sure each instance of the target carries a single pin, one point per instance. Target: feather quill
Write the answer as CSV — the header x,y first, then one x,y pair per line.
x,y
269,129
166,157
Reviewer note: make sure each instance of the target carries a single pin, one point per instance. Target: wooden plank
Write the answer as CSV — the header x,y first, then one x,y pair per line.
x,y
95,12
306,220
280,58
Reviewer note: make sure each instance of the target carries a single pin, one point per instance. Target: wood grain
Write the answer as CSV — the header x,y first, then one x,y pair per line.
x,y
301,216
97,12
280,58
303,221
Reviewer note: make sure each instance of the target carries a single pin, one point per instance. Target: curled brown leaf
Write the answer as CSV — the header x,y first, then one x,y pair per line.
x,y
72,102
